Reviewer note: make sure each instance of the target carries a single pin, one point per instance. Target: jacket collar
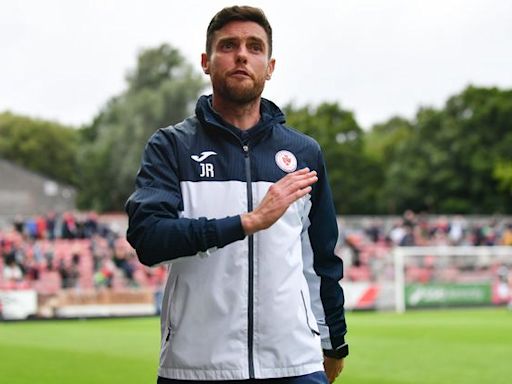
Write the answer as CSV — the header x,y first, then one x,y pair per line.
x,y
269,112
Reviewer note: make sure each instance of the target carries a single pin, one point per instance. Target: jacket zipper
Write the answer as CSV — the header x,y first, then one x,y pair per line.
x,y
250,303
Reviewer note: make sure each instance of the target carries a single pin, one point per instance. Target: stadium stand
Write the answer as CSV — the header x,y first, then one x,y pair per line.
x,y
65,257
366,243
81,255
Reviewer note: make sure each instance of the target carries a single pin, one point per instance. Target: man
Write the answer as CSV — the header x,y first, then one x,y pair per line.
x,y
240,206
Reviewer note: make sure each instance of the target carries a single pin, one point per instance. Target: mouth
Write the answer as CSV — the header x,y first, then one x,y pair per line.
x,y
240,73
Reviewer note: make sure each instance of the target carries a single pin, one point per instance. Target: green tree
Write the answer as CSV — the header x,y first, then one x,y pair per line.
x,y
381,145
353,176
503,174
457,160
42,146
161,91
384,139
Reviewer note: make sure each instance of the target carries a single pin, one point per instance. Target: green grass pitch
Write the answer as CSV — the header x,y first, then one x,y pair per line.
x,y
422,347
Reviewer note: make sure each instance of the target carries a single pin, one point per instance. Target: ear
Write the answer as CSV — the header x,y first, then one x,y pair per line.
x,y
270,68
205,63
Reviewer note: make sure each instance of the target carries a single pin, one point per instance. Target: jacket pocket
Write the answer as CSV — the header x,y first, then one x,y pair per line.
x,y
171,326
169,330
313,330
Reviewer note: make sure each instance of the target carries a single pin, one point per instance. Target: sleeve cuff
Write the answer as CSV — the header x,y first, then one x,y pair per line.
x,y
229,230
339,353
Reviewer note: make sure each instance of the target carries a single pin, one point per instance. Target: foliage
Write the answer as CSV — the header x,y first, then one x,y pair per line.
x,y
42,146
161,91
503,173
457,159
382,142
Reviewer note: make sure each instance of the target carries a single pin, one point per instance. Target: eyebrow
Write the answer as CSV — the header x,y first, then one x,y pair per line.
x,y
255,39
251,39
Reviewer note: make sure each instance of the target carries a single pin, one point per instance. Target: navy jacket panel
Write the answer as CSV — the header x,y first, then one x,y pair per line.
x,y
154,207
323,234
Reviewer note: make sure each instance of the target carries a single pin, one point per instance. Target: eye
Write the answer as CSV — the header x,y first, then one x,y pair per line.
x,y
256,47
227,45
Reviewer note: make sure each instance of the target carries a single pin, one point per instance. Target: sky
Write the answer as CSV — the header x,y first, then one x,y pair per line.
x,y
63,60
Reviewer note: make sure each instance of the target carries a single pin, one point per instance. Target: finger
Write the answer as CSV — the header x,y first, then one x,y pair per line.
x,y
297,195
298,189
302,170
292,177
299,172
304,182
298,185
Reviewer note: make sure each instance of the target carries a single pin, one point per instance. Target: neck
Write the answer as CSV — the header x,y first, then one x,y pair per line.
x,y
242,116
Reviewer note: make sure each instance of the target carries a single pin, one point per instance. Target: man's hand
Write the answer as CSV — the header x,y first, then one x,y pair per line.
x,y
332,367
278,198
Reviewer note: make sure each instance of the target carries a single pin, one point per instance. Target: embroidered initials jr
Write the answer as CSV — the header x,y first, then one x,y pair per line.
x,y
206,170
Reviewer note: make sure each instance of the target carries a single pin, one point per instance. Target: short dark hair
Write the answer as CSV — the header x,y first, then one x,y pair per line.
x,y
238,13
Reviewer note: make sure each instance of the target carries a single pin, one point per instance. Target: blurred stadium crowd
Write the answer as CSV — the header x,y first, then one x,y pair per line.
x,y
368,242
84,251
70,251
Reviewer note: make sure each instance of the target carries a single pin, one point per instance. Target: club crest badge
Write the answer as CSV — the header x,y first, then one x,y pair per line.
x,y
286,161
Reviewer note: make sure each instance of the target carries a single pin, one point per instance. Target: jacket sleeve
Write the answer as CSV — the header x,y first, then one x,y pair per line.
x,y
155,229
327,298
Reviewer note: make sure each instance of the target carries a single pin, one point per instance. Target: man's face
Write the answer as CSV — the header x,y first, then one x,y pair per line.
x,y
239,64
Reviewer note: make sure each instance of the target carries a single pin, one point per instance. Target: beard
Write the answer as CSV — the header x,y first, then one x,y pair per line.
x,y
239,92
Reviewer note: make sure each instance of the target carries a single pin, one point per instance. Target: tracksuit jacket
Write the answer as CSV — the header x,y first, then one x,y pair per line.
x,y
237,307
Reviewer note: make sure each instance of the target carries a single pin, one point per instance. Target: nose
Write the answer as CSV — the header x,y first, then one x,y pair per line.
x,y
241,56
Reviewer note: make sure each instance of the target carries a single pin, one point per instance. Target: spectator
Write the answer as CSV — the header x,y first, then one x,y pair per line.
x,y
51,222
397,233
506,238
31,228
69,273
457,230
49,255
121,259
69,228
104,276
373,231
19,224
91,225
407,239
12,271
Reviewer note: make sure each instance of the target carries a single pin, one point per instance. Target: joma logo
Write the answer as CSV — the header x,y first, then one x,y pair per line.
x,y
204,155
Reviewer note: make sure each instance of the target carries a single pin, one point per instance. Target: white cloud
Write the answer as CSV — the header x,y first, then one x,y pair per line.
x,y
63,60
